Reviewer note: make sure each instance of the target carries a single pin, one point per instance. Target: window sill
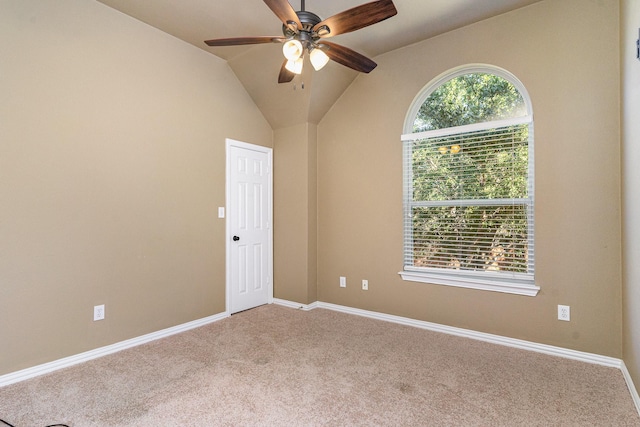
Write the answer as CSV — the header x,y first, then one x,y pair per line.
x,y
515,286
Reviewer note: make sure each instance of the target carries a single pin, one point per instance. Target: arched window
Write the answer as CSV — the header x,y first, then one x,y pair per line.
x,y
469,181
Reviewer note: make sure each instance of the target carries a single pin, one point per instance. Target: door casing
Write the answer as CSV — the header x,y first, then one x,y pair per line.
x,y
229,211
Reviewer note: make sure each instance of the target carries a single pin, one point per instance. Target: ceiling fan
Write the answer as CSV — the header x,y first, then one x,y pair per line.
x,y
305,31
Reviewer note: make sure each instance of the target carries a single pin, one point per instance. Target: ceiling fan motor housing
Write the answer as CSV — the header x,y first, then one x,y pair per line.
x,y
306,33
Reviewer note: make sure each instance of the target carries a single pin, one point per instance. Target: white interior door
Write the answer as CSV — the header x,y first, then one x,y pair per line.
x,y
249,226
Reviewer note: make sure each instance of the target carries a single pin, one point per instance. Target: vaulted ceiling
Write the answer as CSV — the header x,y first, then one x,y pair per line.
x,y
311,94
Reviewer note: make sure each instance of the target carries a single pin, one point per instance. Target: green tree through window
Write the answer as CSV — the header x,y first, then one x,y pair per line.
x,y
468,201
468,99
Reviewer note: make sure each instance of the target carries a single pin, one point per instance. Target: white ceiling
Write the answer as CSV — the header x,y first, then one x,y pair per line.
x,y
257,66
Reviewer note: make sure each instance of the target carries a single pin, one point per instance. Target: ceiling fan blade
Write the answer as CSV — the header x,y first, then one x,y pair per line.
x,y
235,41
356,18
285,75
284,12
347,57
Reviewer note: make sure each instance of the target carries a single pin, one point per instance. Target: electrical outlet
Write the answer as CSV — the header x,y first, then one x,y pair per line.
x,y
343,282
98,312
564,313
365,285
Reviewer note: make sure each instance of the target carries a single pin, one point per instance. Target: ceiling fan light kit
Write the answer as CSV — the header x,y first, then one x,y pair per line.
x,y
292,49
294,65
318,58
303,30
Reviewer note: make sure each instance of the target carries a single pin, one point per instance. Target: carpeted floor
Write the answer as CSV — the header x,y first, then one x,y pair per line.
x,y
275,366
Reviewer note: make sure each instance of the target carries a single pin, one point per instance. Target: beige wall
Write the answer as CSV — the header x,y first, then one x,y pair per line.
x,y
112,167
295,216
112,157
566,54
630,14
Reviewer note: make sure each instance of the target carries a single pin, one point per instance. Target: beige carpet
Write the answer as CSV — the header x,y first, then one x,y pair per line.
x,y
275,366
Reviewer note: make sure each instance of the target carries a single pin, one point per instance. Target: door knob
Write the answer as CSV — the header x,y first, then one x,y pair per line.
x,y
236,238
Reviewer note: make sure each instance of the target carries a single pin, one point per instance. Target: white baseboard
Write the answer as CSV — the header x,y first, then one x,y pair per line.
x,y
46,368
632,388
495,339
481,336
467,333
296,305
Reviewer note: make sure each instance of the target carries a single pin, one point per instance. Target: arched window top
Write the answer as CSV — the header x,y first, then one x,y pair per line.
x,y
468,176
468,95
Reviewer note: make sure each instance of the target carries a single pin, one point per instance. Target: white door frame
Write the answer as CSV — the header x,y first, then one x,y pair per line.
x,y
229,232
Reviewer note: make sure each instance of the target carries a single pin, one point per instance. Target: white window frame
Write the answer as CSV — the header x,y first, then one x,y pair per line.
x,y
512,283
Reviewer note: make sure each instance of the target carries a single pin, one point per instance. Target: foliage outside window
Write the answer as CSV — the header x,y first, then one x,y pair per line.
x,y
468,184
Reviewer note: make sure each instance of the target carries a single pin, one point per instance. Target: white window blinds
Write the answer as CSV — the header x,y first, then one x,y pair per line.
x,y
468,200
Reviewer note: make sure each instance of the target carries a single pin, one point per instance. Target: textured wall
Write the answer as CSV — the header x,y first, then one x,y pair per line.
x,y
112,157
295,213
566,54
631,185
